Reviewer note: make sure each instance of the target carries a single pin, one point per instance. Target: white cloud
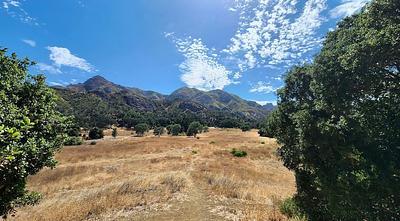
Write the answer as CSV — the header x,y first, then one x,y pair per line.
x,y
11,3
63,57
201,68
14,9
347,8
262,87
266,102
53,83
48,68
29,42
274,32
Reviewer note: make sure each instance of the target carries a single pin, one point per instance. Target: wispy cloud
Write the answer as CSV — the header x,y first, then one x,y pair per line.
x,y
275,32
201,68
29,42
347,8
14,9
263,87
265,102
48,68
62,83
63,57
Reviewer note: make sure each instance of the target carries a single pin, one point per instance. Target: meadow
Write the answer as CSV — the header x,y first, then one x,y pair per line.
x,y
163,178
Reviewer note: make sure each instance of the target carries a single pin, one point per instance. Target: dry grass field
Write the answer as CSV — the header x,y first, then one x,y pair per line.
x,y
163,178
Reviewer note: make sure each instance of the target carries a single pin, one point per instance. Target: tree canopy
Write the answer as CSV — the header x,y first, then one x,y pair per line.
x,y
140,129
338,120
31,130
194,128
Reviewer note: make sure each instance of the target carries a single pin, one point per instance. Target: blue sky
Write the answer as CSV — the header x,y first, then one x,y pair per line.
x,y
241,46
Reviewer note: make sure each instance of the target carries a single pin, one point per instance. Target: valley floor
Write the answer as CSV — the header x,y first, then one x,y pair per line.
x,y
164,178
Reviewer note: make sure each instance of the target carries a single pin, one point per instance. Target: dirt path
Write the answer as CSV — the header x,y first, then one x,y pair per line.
x,y
195,207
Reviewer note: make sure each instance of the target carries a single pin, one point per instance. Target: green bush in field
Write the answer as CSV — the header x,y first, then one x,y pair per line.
x,y
245,127
238,153
114,132
96,133
73,141
141,129
194,129
174,129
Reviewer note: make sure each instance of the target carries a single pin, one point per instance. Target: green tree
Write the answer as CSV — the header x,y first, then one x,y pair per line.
x,y
158,131
114,132
268,129
140,129
96,133
174,129
245,127
194,129
31,130
339,120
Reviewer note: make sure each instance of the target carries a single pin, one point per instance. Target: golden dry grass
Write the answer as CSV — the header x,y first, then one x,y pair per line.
x,y
166,178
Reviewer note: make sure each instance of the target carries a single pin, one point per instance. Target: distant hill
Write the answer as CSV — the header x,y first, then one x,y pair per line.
x,y
99,98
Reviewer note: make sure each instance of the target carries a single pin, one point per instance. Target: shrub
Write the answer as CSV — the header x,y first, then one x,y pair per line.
x,y
73,141
140,129
114,132
238,153
289,208
245,127
93,143
205,129
158,131
96,133
194,128
174,129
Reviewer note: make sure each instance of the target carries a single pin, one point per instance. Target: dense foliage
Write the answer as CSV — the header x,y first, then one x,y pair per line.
x,y
31,130
96,133
194,128
339,120
269,127
245,127
140,129
174,129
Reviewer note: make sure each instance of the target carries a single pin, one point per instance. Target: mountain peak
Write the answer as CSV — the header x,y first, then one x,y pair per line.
x,y
96,79
98,82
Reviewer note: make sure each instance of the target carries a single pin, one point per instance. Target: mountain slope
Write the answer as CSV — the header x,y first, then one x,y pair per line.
x,y
115,101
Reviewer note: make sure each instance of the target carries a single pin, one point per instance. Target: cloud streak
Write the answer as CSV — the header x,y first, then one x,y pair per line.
x,y
63,57
29,42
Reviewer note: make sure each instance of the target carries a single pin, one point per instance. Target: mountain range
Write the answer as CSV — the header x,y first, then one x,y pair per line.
x,y
101,92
